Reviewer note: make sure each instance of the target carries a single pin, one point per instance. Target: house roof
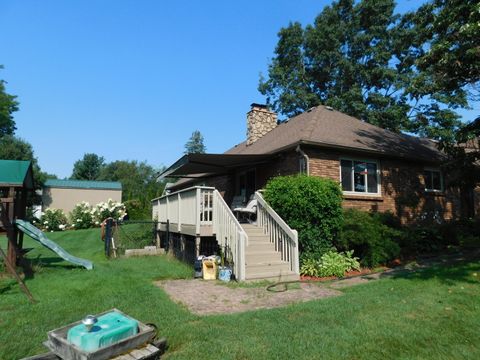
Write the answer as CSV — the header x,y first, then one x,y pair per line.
x,y
83,184
17,173
323,126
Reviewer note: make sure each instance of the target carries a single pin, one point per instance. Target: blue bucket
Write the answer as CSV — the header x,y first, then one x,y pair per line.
x,y
224,273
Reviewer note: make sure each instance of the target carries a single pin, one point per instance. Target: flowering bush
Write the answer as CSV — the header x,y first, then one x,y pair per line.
x,y
82,216
111,208
53,220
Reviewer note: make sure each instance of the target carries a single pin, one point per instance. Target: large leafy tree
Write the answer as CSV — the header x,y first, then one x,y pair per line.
x,y
88,168
14,148
451,31
139,185
360,58
448,59
195,144
8,105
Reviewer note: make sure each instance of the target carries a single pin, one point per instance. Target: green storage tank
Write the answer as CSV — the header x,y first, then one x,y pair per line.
x,y
109,329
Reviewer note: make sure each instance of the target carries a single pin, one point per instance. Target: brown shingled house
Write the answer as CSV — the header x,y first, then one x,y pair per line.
x,y
377,169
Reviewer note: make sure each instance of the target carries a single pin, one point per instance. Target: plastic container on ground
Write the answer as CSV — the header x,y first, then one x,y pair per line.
x,y
109,329
209,268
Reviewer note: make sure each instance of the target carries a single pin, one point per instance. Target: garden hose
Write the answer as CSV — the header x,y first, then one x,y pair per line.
x,y
285,283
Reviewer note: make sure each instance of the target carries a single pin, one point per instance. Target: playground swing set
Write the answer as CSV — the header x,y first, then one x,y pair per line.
x,y
16,181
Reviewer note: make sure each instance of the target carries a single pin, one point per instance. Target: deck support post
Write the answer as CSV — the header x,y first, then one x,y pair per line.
x,y
183,247
197,246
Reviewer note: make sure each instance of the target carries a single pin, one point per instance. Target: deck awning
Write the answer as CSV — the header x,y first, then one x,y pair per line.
x,y
196,165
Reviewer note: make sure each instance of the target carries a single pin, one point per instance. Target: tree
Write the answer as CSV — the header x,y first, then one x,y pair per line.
x,y
139,185
195,144
14,148
451,31
88,168
447,56
8,105
359,57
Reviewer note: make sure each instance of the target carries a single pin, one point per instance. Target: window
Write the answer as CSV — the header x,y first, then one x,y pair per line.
x,y
359,176
433,180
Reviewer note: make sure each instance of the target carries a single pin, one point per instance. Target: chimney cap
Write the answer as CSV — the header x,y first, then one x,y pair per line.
x,y
262,106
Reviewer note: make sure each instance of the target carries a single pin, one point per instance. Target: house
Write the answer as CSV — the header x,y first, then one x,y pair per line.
x,y
65,194
377,169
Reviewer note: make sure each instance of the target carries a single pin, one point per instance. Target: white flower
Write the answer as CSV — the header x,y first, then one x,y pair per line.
x,y
61,227
45,222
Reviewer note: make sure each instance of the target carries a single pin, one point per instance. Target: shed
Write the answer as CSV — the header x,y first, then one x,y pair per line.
x,y
65,194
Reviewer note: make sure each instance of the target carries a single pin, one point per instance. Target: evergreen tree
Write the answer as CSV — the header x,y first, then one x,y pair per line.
x,y
195,144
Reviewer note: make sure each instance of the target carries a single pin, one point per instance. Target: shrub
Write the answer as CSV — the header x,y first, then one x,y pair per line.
x,y
374,242
136,210
82,216
436,237
53,220
311,205
109,209
331,263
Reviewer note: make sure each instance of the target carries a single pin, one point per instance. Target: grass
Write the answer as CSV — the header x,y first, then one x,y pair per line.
x,y
431,314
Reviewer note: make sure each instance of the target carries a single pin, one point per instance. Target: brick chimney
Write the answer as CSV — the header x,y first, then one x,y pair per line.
x,y
260,120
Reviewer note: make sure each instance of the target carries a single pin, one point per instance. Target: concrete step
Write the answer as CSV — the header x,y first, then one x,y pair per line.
x,y
254,258
268,266
258,238
253,248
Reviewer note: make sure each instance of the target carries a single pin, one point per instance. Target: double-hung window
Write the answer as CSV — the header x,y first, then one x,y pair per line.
x,y
433,180
359,176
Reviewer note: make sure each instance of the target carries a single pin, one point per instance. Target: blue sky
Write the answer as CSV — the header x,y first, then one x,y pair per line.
x,y
131,80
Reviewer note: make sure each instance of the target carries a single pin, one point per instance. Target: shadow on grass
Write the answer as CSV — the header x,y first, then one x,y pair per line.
x,y
50,262
461,267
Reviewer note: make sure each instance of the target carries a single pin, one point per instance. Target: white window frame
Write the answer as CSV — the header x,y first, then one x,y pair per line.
x,y
433,169
358,193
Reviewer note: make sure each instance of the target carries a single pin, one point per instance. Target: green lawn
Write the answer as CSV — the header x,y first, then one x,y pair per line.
x,y
433,314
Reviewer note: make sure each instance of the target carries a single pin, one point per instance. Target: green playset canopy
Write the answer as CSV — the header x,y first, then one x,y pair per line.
x,y
16,173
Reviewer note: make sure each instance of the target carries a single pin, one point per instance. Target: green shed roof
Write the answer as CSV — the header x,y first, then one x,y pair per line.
x,y
16,173
83,184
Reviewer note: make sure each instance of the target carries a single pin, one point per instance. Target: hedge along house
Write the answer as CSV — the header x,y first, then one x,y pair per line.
x,y
65,194
377,169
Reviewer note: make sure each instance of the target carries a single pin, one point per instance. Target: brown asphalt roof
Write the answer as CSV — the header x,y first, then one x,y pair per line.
x,y
324,127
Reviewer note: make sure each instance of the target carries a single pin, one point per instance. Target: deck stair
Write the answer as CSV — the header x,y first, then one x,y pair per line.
x,y
262,261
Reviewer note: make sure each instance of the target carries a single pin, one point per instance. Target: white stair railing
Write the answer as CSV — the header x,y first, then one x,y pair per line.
x,y
230,235
284,238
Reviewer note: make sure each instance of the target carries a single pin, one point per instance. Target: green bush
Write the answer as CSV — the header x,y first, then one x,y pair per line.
x,y
437,237
137,210
311,205
82,216
374,242
331,263
53,220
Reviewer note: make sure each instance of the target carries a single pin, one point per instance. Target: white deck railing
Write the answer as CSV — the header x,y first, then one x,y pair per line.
x,y
188,207
284,238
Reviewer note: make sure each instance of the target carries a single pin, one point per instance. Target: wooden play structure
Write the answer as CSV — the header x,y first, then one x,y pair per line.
x,y
16,180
